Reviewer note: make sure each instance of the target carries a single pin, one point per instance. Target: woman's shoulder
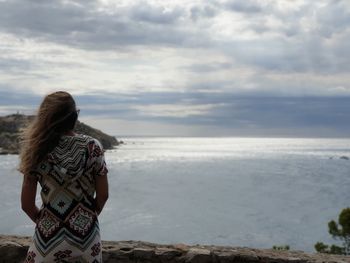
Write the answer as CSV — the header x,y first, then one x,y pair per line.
x,y
80,141
91,141
81,137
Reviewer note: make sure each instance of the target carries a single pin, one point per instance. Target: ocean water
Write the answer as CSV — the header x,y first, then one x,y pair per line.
x,y
253,192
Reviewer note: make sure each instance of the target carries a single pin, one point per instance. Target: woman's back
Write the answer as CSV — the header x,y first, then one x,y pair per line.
x,y
67,225
74,187
68,174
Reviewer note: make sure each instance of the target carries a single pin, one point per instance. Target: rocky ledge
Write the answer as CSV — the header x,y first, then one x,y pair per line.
x,y
11,125
14,248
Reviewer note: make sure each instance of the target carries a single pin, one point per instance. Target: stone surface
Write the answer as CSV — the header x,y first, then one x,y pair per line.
x,y
198,255
143,253
167,254
13,249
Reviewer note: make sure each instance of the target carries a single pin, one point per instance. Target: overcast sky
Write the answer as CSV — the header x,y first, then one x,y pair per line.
x,y
183,67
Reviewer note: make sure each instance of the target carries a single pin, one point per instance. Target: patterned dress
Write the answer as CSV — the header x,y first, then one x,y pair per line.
x,y
67,229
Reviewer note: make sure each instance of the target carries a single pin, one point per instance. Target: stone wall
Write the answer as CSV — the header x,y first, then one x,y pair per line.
x,y
13,249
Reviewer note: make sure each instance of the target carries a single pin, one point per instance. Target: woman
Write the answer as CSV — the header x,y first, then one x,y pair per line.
x,y
73,176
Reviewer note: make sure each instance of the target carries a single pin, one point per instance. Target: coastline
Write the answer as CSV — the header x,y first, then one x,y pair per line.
x,y
12,125
14,248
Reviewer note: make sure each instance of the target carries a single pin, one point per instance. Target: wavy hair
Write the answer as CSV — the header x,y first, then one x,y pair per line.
x,y
56,115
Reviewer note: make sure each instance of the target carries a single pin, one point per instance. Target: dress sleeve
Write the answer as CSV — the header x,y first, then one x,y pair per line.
x,y
97,158
42,169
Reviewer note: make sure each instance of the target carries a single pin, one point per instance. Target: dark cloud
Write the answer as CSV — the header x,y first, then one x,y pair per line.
x,y
9,96
275,116
307,54
31,18
290,112
14,65
202,11
333,18
306,38
289,47
208,67
310,40
85,26
280,116
158,15
247,6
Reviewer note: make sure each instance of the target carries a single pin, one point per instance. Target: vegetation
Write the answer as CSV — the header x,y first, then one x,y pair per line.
x,y
339,231
11,126
283,247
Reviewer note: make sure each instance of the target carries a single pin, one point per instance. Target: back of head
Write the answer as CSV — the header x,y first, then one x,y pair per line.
x,y
56,115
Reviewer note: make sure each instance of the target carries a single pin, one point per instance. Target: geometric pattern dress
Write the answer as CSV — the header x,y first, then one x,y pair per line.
x,y
67,228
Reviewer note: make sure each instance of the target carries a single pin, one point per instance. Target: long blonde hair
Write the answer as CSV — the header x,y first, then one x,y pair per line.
x,y
56,115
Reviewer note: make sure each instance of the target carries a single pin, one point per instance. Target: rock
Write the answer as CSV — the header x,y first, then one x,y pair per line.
x,y
166,254
344,158
295,260
224,256
12,125
117,256
181,246
108,142
14,248
235,256
198,255
143,253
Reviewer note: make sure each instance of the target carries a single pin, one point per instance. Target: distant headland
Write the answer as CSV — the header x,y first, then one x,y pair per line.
x,y
11,126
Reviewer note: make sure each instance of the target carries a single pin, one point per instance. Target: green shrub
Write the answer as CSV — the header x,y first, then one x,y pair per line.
x,y
339,231
283,247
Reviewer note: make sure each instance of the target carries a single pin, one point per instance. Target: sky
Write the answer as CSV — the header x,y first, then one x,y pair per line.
x,y
263,68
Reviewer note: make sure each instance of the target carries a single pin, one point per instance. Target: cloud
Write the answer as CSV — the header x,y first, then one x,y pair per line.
x,y
333,18
202,11
175,110
267,116
279,37
248,6
233,114
14,65
157,15
231,64
89,26
209,67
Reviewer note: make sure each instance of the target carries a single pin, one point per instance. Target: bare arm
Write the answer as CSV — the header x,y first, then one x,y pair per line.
x,y
28,197
101,192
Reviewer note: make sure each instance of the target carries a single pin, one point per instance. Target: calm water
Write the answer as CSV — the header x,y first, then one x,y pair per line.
x,y
225,191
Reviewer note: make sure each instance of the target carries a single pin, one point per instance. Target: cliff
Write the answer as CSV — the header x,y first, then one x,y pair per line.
x,y
14,248
11,125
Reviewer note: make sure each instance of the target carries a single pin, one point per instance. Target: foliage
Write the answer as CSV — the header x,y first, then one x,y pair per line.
x,y
339,231
283,247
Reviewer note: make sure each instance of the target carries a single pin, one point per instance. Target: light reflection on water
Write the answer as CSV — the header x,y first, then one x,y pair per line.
x,y
194,148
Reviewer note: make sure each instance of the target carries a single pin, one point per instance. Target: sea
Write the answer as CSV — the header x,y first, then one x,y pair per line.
x,y
246,192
